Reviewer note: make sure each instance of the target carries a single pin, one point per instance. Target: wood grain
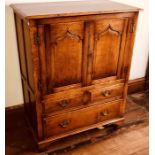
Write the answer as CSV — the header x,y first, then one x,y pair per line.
x,y
134,133
74,68
75,99
90,116
56,9
108,37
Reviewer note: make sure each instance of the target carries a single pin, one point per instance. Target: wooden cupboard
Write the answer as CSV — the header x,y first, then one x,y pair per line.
x,y
75,60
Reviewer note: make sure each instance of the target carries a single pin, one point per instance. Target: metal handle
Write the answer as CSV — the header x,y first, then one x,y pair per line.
x,y
104,113
106,93
63,103
86,97
64,123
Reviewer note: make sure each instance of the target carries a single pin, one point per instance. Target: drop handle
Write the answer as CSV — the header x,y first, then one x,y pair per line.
x,y
64,123
63,103
106,93
104,113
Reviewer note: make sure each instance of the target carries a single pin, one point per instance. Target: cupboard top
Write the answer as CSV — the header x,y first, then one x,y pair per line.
x,y
56,9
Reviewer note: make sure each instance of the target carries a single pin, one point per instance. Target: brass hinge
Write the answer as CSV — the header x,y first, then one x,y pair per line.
x,y
132,27
36,38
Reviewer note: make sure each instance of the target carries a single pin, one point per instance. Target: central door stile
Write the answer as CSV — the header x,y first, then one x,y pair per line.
x,y
88,53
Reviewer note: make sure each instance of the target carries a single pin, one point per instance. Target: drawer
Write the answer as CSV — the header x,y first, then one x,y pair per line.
x,y
73,120
82,97
104,93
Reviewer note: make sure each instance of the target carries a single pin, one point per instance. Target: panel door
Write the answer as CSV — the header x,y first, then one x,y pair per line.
x,y
109,43
61,56
76,54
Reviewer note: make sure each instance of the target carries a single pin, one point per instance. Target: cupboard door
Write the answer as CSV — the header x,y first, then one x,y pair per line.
x,y
61,55
109,45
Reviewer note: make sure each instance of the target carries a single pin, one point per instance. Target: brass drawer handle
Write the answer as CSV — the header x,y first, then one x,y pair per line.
x,y
104,113
64,123
63,103
106,93
86,97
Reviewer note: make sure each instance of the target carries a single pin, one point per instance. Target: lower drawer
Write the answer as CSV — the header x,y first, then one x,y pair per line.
x,y
70,121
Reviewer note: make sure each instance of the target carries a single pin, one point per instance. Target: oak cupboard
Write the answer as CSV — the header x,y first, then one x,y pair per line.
x,y
75,60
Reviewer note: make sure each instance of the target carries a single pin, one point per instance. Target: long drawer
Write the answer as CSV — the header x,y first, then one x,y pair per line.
x,y
86,96
73,120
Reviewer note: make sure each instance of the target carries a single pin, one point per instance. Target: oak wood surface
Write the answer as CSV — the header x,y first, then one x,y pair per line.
x,y
55,9
108,45
36,77
86,64
26,68
64,48
75,99
42,21
74,66
134,133
63,123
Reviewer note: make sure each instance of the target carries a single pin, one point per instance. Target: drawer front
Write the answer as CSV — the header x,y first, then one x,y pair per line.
x,y
104,93
66,122
82,97
62,104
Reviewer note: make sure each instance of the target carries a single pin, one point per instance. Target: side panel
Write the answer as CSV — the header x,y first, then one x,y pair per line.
x,y
26,69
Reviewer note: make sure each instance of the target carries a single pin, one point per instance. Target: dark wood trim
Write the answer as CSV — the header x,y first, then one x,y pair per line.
x,y
14,108
137,85
27,85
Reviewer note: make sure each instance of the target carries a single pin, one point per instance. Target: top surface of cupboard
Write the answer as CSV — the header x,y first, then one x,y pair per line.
x,y
70,8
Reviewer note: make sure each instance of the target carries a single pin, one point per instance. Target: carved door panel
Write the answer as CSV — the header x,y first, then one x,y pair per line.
x,y
109,46
61,56
77,54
